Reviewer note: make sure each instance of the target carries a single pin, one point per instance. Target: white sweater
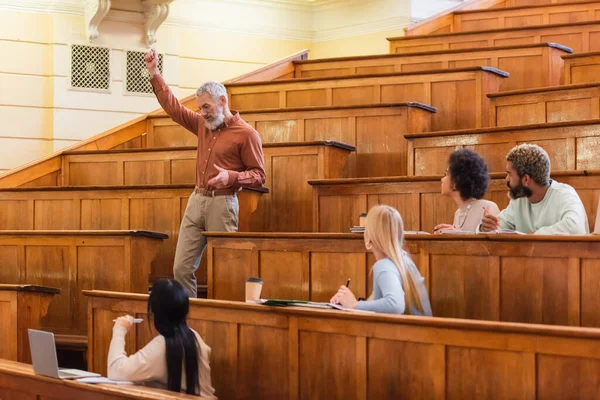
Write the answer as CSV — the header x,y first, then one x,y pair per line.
x,y
149,365
561,212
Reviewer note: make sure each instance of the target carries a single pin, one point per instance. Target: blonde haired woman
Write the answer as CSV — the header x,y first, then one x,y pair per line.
x,y
398,287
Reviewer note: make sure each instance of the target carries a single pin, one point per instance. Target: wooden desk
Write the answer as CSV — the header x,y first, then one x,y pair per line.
x,y
338,203
261,352
459,95
581,37
545,105
18,381
571,146
76,260
544,58
533,279
155,208
21,308
581,68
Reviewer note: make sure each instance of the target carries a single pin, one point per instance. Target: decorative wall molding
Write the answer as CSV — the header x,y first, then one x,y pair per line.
x,y
288,19
155,13
94,13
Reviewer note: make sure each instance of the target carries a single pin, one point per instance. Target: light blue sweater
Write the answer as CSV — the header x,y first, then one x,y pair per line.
x,y
388,293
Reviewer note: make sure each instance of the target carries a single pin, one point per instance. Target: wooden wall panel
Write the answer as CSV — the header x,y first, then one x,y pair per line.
x,y
310,354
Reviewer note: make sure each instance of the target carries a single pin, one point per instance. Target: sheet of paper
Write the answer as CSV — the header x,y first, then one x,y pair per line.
x,y
101,379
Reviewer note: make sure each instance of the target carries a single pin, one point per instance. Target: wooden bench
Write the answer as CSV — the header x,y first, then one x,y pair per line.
x,y
338,203
544,105
529,65
570,145
76,260
513,278
299,353
157,208
288,165
18,381
22,307
581,68
525,16
375,130
581,37
459,95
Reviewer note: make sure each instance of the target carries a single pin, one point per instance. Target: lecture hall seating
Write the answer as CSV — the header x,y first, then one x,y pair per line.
x,y
297,353
532,279
339,202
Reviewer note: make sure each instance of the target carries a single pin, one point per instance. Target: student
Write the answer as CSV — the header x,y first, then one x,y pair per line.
x,y
466,181
398,287
538,204
177,359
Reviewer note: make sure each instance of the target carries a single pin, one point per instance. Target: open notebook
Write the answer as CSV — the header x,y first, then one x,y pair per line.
x,y
304,303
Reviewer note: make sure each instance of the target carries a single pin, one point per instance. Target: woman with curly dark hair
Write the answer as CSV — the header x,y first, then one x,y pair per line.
x,y
466,181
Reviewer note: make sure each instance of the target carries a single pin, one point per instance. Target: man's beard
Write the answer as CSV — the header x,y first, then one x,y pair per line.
x,y
519,191
217,120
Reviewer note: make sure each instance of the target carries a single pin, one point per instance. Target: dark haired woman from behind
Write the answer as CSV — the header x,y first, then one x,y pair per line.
x,y
466,181
177,359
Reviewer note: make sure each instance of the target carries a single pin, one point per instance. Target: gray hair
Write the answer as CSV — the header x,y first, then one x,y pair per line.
x,y
215,89
532,160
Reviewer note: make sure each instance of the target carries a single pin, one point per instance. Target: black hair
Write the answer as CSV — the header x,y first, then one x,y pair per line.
x,y
468,173
169,305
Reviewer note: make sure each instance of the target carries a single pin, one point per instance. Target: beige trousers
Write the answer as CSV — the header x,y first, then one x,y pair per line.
x,y
203,213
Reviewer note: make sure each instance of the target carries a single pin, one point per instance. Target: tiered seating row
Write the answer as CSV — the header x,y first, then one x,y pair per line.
x,y
581,37
76,260
581,68
458,94
570,146
544,105
375,130
338,203
529,65
314,354
474,277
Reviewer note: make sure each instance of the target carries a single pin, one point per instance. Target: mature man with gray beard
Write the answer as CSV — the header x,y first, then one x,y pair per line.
x,y
229,157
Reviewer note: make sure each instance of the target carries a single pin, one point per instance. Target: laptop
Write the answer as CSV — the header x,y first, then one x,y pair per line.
x,y
45,362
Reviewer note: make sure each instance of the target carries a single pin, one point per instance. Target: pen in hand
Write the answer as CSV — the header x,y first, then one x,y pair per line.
x,y
135,320
348,282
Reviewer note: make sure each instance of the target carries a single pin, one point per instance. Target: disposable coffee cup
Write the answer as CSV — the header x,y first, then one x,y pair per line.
x,y
253,289
362,220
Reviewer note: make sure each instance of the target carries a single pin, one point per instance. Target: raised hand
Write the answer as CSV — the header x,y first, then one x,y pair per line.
x,y
151,61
